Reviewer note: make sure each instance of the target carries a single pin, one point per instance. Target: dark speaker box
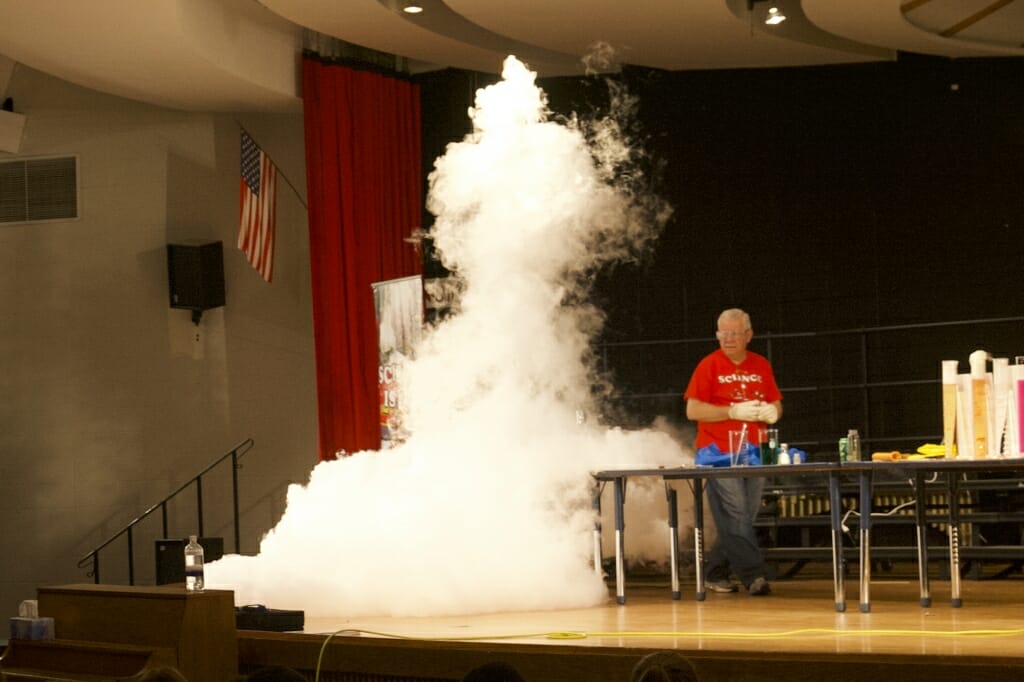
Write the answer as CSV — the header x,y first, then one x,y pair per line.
x,y
170,557
195,275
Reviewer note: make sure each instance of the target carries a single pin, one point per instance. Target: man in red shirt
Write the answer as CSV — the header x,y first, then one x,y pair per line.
x,y
729,388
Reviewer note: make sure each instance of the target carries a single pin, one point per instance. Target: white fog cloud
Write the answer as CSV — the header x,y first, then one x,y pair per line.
x,y
487,506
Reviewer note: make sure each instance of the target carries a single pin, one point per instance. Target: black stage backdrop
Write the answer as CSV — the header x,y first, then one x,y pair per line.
x,y
824,201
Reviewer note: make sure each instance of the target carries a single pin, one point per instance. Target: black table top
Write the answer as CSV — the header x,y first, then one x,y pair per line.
x,y
927,463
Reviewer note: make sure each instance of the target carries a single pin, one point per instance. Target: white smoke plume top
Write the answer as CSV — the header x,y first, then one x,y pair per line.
x,y
601,57
487,506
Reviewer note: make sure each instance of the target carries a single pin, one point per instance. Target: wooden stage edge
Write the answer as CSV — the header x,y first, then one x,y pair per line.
x,y
793,634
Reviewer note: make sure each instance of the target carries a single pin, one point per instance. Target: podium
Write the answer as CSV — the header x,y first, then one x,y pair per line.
x,y
116,626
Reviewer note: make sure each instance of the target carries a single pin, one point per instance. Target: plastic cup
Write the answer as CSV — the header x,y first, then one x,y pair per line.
x,y
737,441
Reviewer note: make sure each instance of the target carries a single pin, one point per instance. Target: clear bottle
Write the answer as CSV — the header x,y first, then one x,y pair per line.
x,y
770,447
193,565
853,446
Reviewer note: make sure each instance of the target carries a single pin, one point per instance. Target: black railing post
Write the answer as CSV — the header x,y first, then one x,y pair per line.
x,y
865,392
199,502
96,567
234,497
131,559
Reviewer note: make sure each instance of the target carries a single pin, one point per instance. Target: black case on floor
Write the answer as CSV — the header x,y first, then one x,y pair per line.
x,y
259,617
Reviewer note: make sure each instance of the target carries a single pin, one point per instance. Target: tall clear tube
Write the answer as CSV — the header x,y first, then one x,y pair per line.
x,y
998,437
1018,381
949,372
979,403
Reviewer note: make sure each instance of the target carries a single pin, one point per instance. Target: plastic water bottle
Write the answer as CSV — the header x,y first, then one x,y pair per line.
x,y
193,565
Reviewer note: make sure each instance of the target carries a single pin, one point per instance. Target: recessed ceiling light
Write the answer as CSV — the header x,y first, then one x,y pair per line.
x,y
775,17
412,8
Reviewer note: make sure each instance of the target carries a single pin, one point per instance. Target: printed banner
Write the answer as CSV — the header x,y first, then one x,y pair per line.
x,y
399,307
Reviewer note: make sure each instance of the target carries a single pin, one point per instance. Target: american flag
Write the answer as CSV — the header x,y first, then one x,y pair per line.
x,y
257,207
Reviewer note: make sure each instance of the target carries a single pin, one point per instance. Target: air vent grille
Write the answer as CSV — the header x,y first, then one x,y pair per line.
x,y
39,189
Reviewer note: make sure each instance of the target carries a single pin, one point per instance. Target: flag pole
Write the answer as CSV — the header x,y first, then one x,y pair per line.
x,y
279,173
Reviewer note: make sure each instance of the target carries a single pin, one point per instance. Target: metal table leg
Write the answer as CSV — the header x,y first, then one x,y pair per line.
x,y
865,540
620,526
673,537
698,535
596,502
954,538
922,537
836,508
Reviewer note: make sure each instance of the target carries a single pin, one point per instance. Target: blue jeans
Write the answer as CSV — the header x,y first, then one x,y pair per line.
x,y
734,505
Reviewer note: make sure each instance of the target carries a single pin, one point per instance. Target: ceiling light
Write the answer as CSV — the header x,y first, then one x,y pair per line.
x,y
775,16
413,8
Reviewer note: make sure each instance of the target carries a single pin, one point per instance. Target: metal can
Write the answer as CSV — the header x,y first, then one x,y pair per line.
x,y
844,447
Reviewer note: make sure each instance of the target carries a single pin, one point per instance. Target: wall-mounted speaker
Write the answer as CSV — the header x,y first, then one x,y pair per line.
x,y
195,276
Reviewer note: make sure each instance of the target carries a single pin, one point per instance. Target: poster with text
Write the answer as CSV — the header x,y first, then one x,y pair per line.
x,y
399,307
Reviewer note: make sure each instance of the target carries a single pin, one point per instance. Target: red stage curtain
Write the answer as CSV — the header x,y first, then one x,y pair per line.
x,y
364,180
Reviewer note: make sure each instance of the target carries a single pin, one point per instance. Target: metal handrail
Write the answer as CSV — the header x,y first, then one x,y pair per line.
x,y
234,454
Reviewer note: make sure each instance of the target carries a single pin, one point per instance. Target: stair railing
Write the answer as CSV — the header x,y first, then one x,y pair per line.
x,y
235,454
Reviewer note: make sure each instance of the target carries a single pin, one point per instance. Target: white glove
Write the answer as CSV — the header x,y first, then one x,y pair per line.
x,y
746,411
768,413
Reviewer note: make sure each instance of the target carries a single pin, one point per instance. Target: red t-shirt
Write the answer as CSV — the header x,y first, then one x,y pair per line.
x,y
719,381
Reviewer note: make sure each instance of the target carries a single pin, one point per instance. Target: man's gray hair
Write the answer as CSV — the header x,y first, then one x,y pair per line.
x,y
735,314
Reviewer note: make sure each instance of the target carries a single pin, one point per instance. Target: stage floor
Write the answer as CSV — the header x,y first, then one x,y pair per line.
x,y
799,616
794,632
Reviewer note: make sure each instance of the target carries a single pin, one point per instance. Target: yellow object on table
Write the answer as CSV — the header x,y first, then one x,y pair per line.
x,y
926,451
933,450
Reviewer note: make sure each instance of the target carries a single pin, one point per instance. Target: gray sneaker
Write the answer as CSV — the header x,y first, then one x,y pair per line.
x,y
723,586
759,588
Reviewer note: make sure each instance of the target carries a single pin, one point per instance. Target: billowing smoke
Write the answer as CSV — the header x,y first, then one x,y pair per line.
x,y
487,506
